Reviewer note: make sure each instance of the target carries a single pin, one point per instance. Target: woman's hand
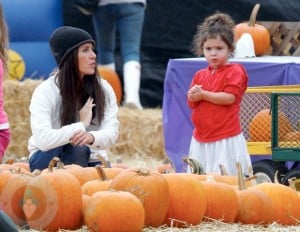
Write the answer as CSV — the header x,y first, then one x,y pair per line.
x,y
85,113
80,138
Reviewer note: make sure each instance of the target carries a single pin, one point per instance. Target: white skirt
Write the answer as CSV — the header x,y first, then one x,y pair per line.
x,y
227,152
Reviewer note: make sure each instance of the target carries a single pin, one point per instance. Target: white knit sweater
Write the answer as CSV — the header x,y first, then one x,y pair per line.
x,y
47,132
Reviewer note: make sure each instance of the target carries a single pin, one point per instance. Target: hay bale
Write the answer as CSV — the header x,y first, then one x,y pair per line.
x,y
141,136
141,133
17,97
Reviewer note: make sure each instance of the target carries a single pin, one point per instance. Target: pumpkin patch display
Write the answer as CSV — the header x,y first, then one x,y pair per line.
x,y
259,33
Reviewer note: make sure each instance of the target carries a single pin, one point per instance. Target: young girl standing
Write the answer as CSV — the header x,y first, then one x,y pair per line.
x,y
214,96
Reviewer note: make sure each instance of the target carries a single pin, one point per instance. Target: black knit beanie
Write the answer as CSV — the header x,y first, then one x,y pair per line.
x,y
65,39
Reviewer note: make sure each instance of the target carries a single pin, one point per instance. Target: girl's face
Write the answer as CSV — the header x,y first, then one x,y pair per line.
x,y
86,59
216,52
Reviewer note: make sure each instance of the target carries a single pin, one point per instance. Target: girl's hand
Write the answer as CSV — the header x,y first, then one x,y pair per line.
x,y
195,93
85,113
80,138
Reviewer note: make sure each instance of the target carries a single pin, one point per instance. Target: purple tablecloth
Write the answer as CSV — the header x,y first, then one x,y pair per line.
x,y
177,126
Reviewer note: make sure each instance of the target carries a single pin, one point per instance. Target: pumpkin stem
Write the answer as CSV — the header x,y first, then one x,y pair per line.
x,y
253,15
143,171
294,183
276,181
102,160
223,170
101,173
291,183
52,163
241,180
194,165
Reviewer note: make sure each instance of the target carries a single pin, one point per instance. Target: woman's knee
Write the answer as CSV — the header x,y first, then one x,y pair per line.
x,y
77,155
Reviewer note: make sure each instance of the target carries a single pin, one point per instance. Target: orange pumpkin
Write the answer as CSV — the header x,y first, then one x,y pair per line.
x,y
259,33
254,206
222,201
260,126
113,79
150,187
110,211
112,172
187,200
293,136
101,184
12,185
285,202
53,201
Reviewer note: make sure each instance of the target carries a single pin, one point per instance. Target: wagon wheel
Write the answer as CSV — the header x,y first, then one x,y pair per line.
x,y
292,173
266,170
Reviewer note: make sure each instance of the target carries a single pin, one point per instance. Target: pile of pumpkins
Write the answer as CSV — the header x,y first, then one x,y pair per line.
x,y
129,199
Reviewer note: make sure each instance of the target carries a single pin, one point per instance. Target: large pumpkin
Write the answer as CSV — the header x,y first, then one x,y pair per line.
x,y
254,206
187,200
285,202
113,79
150,187
53,201
222,201
259,33
260,126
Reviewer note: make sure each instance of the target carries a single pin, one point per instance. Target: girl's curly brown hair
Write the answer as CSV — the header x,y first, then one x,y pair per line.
x,y
218,24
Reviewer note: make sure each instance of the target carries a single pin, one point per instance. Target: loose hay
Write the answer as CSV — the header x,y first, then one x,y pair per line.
x,y
141,135
216,226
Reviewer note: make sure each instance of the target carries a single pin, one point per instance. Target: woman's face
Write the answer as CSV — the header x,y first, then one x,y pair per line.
x,y
86,59
216,51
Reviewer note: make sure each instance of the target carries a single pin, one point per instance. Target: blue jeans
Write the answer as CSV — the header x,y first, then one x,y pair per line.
x,y
68,154
125,18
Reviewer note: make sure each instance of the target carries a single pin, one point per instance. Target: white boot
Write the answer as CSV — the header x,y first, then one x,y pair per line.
x,y
132,80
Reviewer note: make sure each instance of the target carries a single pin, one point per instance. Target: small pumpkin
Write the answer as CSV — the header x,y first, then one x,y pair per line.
x,y
112,211
259,33
113,79
101,184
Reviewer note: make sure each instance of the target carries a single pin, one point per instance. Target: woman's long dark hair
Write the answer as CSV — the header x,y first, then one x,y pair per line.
x,y
75,92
